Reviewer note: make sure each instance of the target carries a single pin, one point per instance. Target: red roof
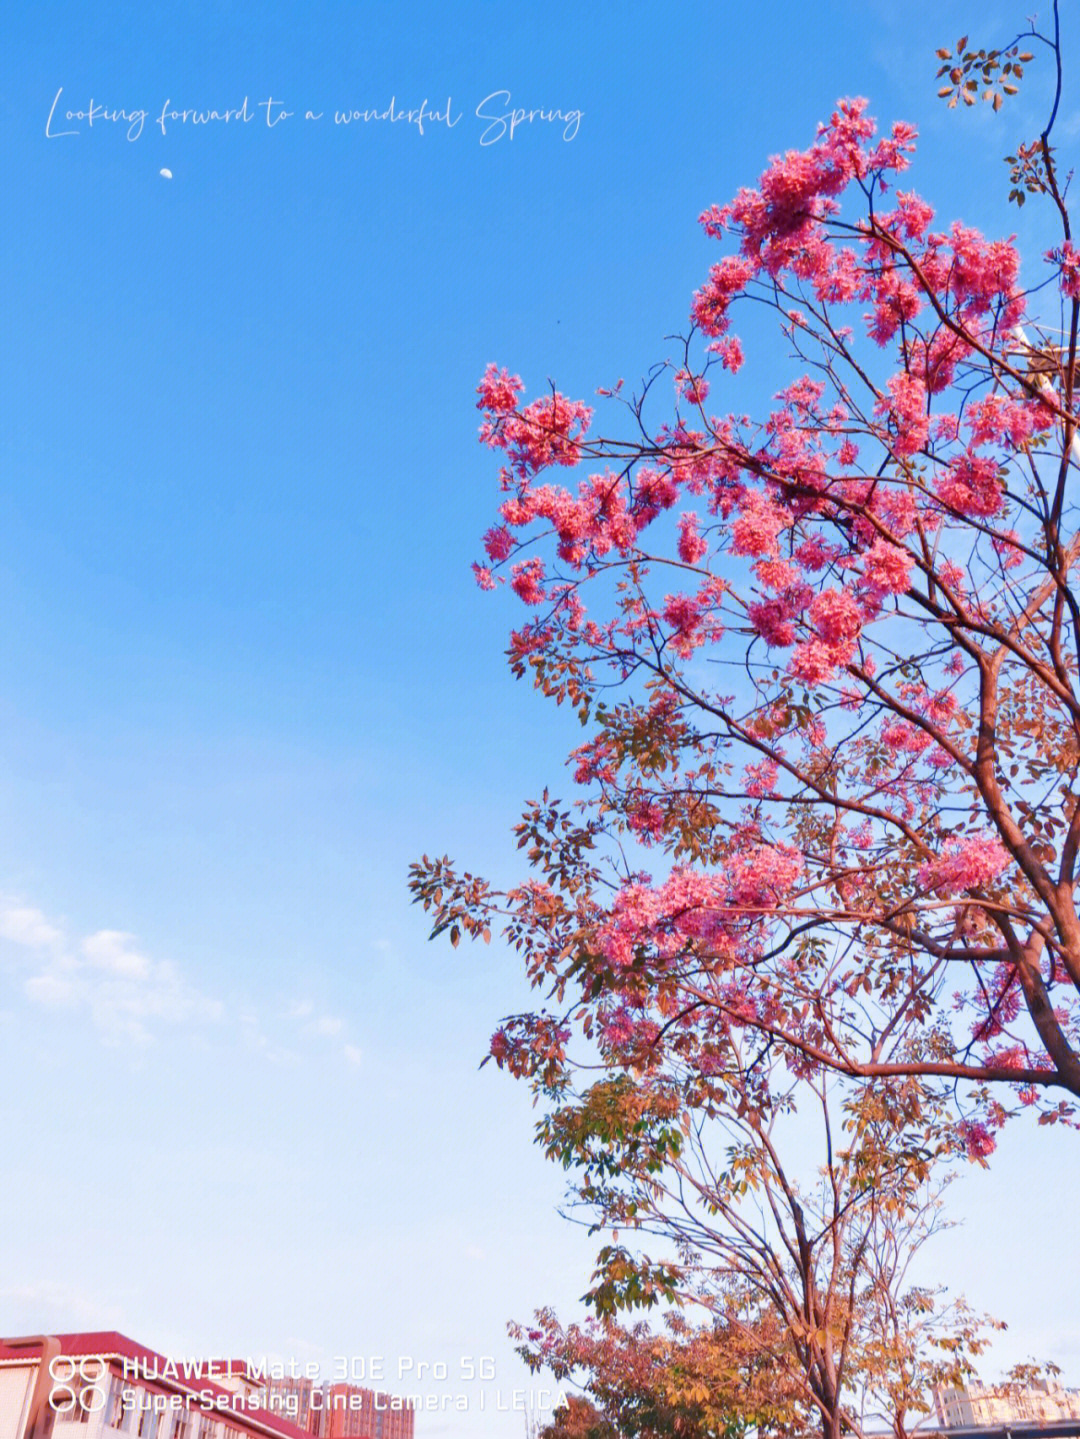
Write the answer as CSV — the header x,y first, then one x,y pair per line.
x,y
110,1345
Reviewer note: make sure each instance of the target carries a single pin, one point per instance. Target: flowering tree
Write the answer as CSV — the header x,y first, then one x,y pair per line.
x,y
827,656
577,1419
825,854
811,1323
649,1386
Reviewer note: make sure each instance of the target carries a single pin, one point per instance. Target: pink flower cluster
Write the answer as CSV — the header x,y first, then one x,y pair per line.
x,y
692,909
692,547
835,616
527,581
1068,258
755,529
971,485
967,864
760,779
693,388
905,409
711,303
978,1140
547,432
887,567
1000,420
981,274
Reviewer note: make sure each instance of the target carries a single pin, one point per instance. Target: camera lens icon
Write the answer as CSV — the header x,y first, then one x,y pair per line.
x,y
76,1384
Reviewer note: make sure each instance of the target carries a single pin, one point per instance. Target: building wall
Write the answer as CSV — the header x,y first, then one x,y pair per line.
x,y
14,1391
129,1392
156,1407
983,1404
343,1411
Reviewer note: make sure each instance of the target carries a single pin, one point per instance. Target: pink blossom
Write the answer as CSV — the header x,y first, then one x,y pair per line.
x,y
498,390
646,820
498,542
902,736
888,567
1068,257
527,581
714,220
1007,547
896,302
693,388
977,1139
617,1027
937,363
814,733
835,616
755,529
777,574
842,280
771,619
813,662
762,875
815,553
760,779
1003,420
730,351
683,614
711,303
547,432
972,486
691,545
656,490
966,864
911,218
848,453
982,273
951,574
905,408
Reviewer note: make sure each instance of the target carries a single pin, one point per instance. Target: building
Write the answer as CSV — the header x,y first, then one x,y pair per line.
x,y
982,1405
301,1399
102,1386
342,1411
105,1386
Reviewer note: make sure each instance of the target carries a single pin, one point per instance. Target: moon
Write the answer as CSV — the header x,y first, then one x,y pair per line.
x,y
166,173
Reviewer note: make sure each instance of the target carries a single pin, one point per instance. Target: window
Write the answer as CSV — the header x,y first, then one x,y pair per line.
x,y
149,1418
69,1403
117,1414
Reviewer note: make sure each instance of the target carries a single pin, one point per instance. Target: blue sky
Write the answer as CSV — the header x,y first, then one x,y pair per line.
x,y
245,676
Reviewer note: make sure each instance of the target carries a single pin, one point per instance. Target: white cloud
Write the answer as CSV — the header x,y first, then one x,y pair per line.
x,y
50,989
109,950
27,927
319,1026
125,994
253,1036
314,1025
